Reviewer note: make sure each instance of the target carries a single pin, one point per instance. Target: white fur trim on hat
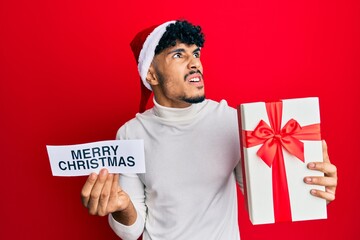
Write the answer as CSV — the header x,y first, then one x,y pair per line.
x,y
147,52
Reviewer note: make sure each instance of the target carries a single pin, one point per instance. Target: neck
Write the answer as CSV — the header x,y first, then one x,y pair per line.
x,y
171,103
171,113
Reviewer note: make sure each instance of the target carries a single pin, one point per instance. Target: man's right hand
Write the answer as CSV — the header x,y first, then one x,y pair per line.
x,y
102,195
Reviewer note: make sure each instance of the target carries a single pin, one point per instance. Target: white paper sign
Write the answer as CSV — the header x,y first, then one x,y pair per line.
x,y
118,156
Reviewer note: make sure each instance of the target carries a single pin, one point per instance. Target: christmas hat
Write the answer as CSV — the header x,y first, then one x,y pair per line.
x,y
143,46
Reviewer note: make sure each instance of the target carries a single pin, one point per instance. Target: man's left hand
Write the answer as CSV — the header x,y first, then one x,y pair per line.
x,y
329,180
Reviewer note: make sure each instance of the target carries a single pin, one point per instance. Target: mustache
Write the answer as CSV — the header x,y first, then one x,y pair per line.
x,y
193,72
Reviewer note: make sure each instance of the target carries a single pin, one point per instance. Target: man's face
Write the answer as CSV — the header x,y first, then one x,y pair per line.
x,y
178,73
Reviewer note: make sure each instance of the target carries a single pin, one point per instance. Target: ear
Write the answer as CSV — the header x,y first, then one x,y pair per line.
x,y
151,76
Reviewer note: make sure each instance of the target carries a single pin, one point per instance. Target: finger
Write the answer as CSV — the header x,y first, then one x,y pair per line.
x,y
105,195
325,152
116,192
115,185
86,190
326,167
96,191
114,195
327,195
321,181
118,197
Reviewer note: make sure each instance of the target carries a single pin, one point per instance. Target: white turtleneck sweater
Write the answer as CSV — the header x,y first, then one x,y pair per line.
x,y
192,163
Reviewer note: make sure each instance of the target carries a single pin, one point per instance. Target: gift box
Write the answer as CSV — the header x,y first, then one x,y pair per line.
x,y
278,139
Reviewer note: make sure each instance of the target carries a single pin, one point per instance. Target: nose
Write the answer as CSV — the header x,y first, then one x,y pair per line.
x,y
194,63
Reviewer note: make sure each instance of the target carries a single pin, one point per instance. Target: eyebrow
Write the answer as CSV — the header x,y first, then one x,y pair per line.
x,y
178,50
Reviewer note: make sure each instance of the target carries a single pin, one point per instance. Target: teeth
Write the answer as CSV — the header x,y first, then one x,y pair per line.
x,y
195,79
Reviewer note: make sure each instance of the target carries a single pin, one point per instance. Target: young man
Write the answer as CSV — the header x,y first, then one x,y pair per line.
x,y
191,147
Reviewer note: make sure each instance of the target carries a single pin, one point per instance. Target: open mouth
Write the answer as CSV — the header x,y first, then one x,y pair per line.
x,y
194,79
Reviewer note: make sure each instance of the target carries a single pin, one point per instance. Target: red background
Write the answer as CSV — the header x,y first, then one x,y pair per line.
x,y
67,76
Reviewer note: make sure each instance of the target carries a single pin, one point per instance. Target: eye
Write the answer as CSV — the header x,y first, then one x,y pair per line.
x,y
177,55
196,54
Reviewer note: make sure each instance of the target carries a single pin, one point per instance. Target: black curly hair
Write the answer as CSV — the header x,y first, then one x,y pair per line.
x,y
181,31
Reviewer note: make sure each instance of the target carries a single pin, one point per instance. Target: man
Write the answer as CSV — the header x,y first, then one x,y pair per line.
x,y
191,147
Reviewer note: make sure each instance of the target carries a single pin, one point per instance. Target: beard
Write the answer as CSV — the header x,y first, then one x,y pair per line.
x,y
192,100
184,98
197,99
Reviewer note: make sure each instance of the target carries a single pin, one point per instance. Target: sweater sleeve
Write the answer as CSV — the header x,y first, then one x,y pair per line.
x,y
234,130
133,186
239,177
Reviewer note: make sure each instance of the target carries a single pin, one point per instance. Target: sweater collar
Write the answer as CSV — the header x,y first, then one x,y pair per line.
x,y
174,113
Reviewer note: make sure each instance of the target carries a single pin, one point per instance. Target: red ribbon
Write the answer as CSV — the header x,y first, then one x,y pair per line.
x,y
273,140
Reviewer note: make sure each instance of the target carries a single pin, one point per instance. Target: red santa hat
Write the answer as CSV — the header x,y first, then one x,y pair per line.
x,y
143,46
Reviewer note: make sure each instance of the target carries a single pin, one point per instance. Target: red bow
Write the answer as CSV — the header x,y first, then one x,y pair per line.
x,y
273,140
